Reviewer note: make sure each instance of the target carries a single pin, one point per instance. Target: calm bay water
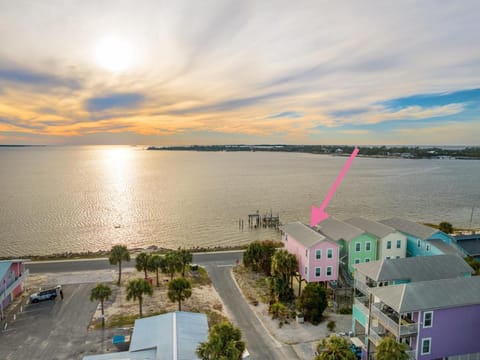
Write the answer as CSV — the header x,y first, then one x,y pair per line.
x,y
58,199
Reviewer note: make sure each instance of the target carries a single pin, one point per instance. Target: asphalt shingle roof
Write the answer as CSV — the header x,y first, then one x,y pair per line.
x,y
303,233
410,227
338,230
371,227
419,268
444,247
430,295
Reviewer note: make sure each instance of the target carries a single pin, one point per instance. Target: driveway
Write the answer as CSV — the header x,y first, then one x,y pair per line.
x,y
259,342
51,330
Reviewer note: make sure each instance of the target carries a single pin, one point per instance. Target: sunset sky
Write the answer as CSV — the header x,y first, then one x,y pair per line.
x,y
223,72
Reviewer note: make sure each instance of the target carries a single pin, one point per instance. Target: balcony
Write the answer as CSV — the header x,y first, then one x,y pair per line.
x,y
362,287
411,354
391,322
376,334
362,304
384,319
13,285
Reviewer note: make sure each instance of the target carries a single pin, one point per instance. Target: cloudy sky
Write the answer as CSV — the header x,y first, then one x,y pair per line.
x,y
219,72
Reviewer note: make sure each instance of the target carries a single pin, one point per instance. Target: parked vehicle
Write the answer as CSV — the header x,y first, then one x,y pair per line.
x,y
43,295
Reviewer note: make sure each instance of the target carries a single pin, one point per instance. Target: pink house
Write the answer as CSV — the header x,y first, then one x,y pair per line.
x,y
318,256
12,276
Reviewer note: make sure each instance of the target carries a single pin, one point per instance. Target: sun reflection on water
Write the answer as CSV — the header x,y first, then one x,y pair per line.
x,y
118,184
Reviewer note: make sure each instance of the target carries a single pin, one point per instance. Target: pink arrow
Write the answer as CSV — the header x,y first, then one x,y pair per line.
x,y
319,214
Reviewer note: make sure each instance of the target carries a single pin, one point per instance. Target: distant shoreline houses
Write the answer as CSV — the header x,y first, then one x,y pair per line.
x,y
409,281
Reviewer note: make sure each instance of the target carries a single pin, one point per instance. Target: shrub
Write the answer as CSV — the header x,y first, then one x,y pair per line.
x,y
313,302
331,325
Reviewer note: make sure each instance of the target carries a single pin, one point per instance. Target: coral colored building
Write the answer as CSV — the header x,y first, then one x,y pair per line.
x,y
318,256
12,276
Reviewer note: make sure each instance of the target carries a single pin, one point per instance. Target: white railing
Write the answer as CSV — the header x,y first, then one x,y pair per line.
x,y
394,327
362,287
360,303
412,354
13,285
374,336
385,320
408,329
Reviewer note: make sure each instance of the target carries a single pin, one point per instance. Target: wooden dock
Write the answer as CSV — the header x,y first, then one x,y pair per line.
x,y
257,221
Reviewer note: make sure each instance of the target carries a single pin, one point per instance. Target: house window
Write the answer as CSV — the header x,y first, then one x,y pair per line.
x,y
286,237
306,270
427,319
367,260
306,252
426,346
318,254
389,244
399,244
329,253
368,246
329,271
357,261
418,243
318,271
357,247
387,258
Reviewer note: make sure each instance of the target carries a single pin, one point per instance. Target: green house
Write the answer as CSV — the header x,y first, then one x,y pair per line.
x,y
356,246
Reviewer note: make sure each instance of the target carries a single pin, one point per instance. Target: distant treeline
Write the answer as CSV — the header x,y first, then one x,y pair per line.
x,y
380,151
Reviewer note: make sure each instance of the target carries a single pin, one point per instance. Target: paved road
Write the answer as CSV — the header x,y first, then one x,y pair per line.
x,y
218,264
227,257
51,329
259,342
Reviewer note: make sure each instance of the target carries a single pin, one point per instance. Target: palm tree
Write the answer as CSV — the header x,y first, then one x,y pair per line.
x,y
136,289
284,265
186,258
155,264
179,290
334,348
141,262
101,292
224,342
118,254
173,263
389,349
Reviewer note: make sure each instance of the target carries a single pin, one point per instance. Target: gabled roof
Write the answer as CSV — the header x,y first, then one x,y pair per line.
x,y
304,234
372,227
430,295
419,268
472,247
174,335
338,230
409,227
444,247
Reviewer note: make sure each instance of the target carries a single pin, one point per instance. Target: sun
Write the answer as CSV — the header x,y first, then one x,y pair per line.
x,y
114,54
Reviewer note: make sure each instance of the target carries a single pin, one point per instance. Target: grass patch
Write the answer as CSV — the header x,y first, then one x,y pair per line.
x,y
118,321
200,278
252,284
214,318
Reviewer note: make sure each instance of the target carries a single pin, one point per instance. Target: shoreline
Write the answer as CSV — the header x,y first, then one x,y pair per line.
x,y
105,253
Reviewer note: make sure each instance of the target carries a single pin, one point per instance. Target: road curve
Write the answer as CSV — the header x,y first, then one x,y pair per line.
x,y
219,266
